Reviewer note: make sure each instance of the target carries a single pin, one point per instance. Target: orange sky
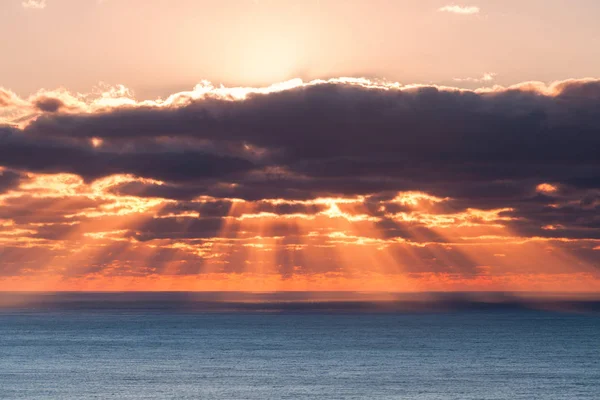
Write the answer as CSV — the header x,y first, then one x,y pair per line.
x,y
157,48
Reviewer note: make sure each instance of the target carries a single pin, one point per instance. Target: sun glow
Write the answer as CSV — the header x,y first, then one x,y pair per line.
x,y
278,251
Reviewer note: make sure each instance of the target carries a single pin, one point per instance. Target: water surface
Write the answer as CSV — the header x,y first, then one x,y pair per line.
x,y
161,354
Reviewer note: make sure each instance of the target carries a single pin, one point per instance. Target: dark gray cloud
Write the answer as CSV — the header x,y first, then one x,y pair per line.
x,y
9,180
48,104
337,131
50,154
484,150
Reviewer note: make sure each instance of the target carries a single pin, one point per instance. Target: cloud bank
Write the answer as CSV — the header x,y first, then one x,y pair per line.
x,y
306,181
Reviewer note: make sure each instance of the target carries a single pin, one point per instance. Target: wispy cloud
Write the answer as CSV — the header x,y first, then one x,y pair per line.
x,y
486,77
35,4
456,9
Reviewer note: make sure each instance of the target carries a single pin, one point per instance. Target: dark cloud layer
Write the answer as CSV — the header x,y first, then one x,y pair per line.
x,y
49,154
483,150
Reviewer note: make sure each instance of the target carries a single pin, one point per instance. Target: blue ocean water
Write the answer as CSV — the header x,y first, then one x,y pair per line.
x,y
142,354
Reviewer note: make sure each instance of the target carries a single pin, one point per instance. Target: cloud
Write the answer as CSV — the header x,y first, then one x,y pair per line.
x,y
48,104
463,10
324,139
34,4
336,137
9,180
300,178
486,77
6,98
171,163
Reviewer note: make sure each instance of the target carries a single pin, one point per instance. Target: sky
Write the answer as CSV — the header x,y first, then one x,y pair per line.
x,y
257,145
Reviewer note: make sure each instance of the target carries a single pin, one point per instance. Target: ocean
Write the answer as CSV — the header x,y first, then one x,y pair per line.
x,y
150,353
